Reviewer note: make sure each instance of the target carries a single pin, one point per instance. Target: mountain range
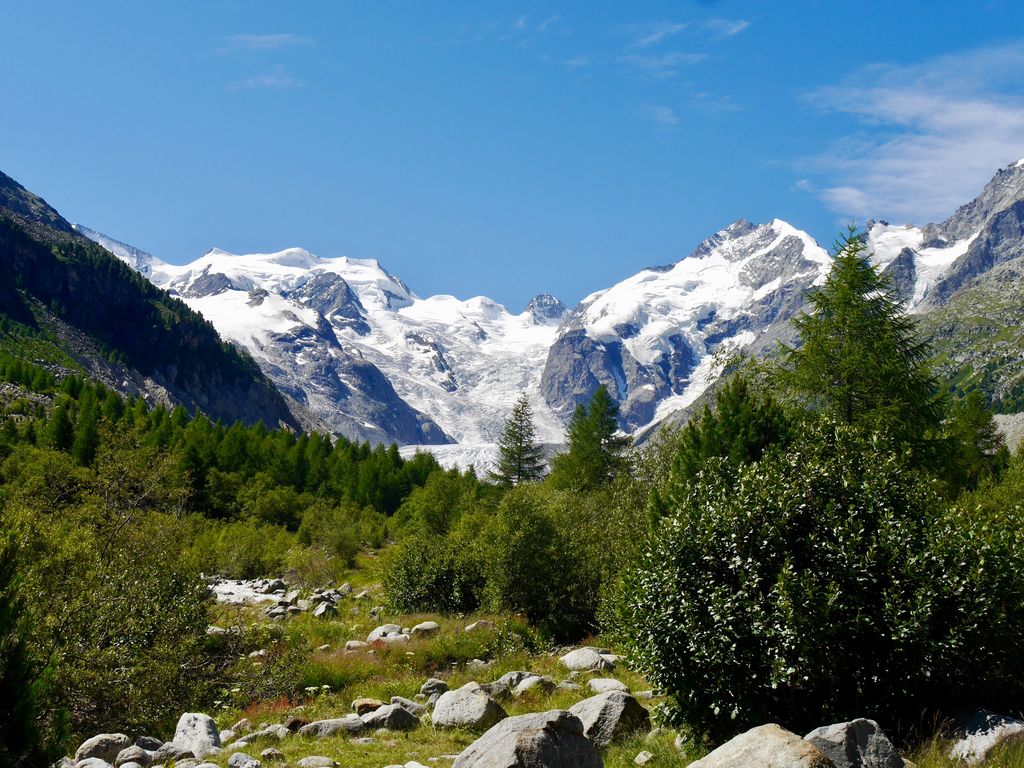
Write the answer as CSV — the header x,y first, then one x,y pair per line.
x,y
355,352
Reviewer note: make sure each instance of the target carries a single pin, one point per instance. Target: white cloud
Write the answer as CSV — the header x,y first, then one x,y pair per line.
x,y
660,114
726,27
652,34
930,136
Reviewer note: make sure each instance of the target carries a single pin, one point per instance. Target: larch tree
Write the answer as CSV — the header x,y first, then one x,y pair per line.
x,y
521,459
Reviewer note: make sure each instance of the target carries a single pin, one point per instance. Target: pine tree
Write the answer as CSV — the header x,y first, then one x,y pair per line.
x,y
595,449
521,459
859,358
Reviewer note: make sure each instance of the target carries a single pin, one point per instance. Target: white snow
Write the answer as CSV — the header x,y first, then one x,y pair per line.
x,y
885,242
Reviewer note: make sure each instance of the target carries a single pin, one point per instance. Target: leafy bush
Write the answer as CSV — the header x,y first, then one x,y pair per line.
x,y
822,583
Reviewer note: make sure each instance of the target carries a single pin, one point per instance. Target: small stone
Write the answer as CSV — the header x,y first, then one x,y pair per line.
x,y
432,686
271,755
585,660
483,624
605,684
643,758
391,717
316,762
411,706
426,629
242,760
323,648
356,645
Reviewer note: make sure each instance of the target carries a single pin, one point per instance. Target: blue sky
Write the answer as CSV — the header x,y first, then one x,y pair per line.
x,y
507,148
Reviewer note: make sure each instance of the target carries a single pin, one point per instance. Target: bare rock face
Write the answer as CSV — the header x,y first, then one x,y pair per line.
x,y
611,716
467,707
767,746
983,732
859,743
544,739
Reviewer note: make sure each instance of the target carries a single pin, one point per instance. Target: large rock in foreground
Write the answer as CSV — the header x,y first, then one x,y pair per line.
x,y
610,716
467,707
542,740
983,732
767,746
196,732
105,746
859,743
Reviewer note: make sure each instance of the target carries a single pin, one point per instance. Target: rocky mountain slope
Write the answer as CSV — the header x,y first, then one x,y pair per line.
x,y
62,293
365,357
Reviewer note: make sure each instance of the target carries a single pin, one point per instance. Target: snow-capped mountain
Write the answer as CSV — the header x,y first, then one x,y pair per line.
x,y
366,357
651,339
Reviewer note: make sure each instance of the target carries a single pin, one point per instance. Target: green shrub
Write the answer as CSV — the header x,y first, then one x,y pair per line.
x,y
822,583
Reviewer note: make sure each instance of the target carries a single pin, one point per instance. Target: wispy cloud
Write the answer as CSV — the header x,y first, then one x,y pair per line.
x,y
652,34
726,27
579,62
930,134
275,42
660,114
661,66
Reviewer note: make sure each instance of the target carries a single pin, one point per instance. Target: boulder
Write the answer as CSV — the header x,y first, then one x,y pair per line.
x,y
314,761
432,686
294,722
131,765
383,631
534,684
172,753
325,611
766,746
467,707
148,743
982,732
133,754
411,706
392,717
504,685
273,732
93,762
483,624
196,732
551,739
365,705
320,729
858,743
356,645
586,660
188,762
271,755
242,726
426,629
610,716
242,760
605,684
105,746
227,736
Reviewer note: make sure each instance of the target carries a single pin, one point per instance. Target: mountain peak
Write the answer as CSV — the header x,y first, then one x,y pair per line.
x,y
545,308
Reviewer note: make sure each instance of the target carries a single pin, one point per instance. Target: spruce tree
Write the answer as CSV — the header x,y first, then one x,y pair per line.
x,y
521,459
859,358
595,449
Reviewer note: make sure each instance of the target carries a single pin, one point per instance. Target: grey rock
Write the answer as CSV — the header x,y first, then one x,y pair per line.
x,y
322,728
271,755
534,684
482,624
643,758
432,686
105,746
413,708
242,726
356,645
148,743
132,765
172,753
611,716
467,707
504,685
133,754
391,716
982,732
314,761
93,762
585,660
545,309
325,611
426,629
767,746
242,760
545,739
197,732
272,732
383,631
856,744
605,684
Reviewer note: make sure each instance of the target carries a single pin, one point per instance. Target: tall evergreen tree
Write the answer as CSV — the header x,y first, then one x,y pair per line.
x,y
521,459
859,358
595,447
